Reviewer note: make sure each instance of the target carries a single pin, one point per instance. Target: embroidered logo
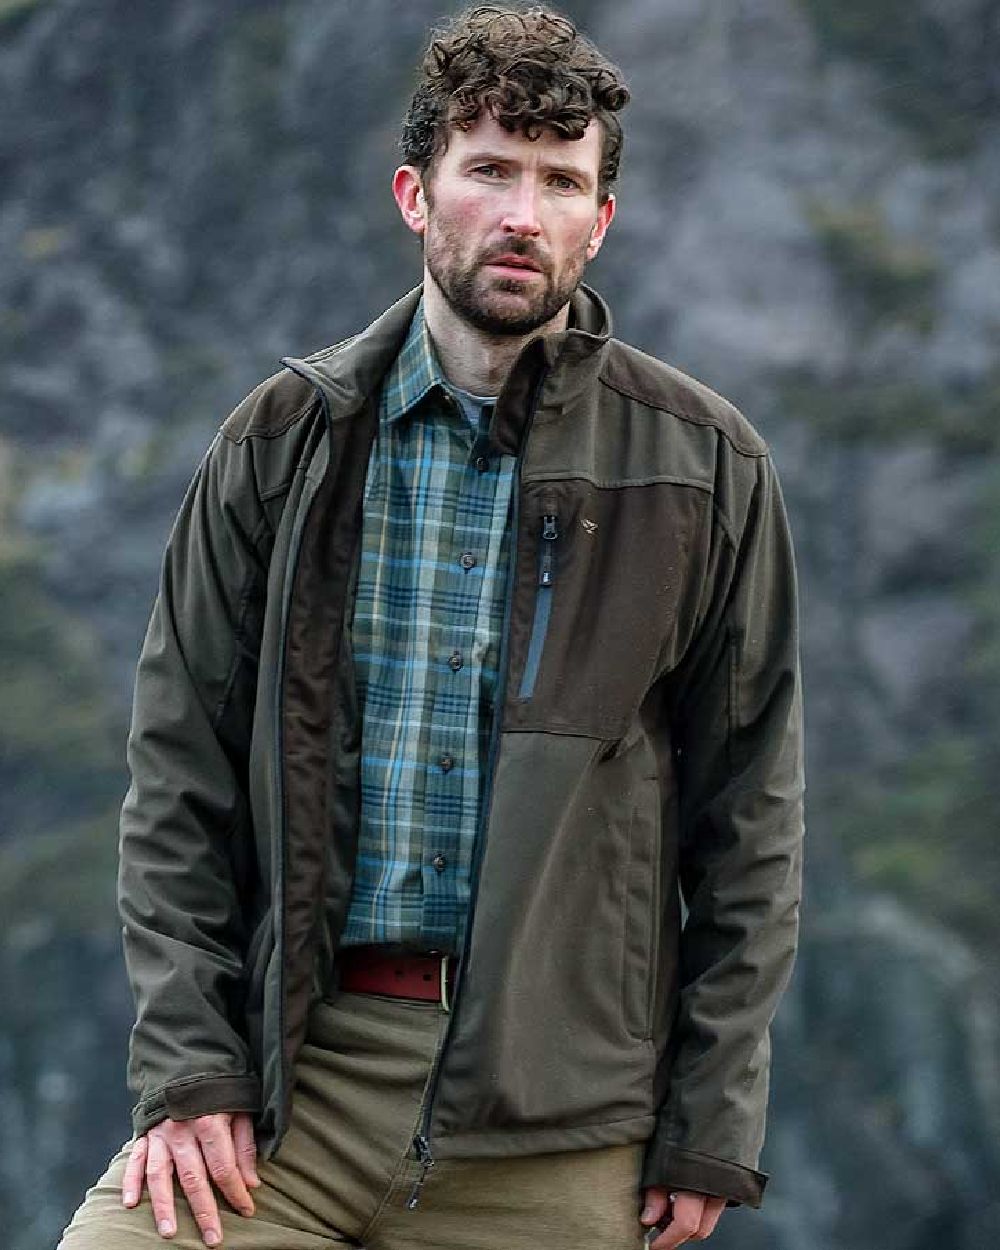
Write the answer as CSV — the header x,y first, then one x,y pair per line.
x,y
588,525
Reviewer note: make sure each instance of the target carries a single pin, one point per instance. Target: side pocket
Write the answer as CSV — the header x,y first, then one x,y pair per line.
x,y
640,928
543,603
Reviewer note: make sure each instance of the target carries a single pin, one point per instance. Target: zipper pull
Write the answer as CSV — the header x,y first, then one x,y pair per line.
x,y
422,1149
550,532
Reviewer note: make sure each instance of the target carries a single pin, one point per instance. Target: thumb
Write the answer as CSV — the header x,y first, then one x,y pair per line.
x,y
656,1202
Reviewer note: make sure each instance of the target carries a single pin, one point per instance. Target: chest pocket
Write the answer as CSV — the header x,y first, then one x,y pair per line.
x,y
598,576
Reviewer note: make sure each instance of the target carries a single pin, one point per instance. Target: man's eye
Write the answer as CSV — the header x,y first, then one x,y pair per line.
x,y
565,183
486,169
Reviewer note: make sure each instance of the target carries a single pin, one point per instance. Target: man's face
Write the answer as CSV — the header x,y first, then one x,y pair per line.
x,y
509,223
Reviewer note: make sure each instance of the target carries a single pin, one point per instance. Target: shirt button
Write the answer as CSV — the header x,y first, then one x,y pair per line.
x,y
467,560
447,763
482,464
455,661
439,862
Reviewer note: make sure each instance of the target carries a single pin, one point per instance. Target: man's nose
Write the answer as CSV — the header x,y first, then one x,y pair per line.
x,y
521,210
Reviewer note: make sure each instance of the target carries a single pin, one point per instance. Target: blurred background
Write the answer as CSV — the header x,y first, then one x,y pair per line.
x,y
809,221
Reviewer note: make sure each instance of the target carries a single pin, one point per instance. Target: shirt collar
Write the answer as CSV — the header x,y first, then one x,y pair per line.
x,y
414,373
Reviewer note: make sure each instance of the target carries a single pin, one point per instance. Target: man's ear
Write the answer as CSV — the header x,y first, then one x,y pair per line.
x,y
605,216
408,192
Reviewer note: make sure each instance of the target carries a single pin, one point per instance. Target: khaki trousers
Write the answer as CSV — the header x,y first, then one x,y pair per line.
x,y
344,1170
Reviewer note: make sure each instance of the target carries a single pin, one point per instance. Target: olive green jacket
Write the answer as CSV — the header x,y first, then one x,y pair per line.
x,y
646,750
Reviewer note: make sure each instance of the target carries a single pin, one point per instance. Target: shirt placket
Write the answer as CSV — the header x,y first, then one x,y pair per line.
x,y
461,644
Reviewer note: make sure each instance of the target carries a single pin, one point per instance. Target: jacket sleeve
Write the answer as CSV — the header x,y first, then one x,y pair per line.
x,y
737,734
185,829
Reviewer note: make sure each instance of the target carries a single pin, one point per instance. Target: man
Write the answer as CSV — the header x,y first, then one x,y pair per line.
x,y
475,648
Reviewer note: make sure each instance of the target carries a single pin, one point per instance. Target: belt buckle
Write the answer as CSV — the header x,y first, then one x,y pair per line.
x,y
443,973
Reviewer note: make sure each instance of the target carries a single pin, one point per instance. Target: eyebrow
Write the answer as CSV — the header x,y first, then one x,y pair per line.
x,y
494,158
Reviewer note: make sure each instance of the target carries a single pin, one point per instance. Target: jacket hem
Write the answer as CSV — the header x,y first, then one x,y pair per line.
x,y
499,1143
674,1168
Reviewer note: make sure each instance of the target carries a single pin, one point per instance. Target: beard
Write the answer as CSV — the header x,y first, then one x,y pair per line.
x,y
484,299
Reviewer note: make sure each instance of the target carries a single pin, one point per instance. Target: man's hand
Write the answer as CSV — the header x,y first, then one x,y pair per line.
x,y
220,1147
693,1218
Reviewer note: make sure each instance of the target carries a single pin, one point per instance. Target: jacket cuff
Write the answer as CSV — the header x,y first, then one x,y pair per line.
x,y
674,1168
193,1096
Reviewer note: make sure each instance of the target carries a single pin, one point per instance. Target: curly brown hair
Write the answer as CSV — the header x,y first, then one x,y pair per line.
x,y
528,68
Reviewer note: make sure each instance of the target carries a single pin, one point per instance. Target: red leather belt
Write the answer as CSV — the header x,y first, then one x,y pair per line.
x,y
370,970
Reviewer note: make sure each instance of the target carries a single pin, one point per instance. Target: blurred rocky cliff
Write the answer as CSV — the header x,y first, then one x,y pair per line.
x,y
809,222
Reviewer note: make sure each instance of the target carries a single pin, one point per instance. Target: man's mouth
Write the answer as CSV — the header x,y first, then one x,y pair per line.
x,y
509,262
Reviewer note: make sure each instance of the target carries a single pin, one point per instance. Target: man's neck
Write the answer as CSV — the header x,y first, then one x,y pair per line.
x,y
472,359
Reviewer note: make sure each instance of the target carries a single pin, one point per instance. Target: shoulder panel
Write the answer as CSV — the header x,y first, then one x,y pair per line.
x,y
649,381
271,408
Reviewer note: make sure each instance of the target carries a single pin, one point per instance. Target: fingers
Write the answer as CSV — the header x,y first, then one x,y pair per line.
x,y
245,1146
214,1134
714,1207
159,1178
194,1181
135,1173
201,1152
691,1219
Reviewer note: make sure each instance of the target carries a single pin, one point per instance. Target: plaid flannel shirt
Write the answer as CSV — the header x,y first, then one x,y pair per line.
x,y
426,636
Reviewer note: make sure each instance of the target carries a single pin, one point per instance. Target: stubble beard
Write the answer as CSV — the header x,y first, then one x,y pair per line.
x,y
476,296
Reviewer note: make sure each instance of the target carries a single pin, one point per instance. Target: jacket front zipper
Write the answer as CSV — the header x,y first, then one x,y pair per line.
x,y
543,604
421,1142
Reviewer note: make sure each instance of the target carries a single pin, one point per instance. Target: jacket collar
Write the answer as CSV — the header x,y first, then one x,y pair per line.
x,y
349,373
558,368
553,372
414,374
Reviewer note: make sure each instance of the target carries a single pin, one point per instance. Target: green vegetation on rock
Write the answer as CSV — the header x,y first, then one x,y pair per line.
x,y
64,876
56,725
924,828
253,74
886,278
61,767
936,74
10,10
894,410
926,831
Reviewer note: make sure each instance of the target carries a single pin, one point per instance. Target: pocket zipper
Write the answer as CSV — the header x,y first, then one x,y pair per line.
x,y
543,603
